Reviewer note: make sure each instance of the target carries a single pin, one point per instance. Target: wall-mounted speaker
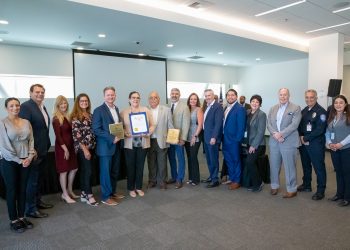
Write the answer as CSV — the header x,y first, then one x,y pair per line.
x,y
334,87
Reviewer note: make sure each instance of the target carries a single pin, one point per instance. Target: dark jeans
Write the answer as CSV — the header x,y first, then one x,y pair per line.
x,y
252,166
135,161
85,167
313,155
35,177
341,163
157,163
15,178
192,161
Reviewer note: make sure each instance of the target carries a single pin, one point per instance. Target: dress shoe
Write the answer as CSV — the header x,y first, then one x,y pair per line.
x,y
43,205
132,194
302,188
290,195
170,181
37,215
334,198
317,196
206,180
258,189
234,186
343,203
140,192
213,184
118,196
27,223
178,185
151,184
274,191
162,186
110,202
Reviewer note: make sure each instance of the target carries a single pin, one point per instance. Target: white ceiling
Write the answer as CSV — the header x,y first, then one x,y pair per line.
x,y
57,24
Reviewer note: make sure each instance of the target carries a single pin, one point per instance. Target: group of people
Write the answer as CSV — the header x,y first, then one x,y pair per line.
x,y
81,133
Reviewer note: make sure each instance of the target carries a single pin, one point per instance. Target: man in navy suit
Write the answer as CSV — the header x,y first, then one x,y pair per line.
x,y
233,129
35,112
212,126
108,146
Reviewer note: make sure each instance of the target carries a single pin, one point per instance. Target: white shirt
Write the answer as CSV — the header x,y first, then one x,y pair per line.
x,y
155,119
227,110
280,113
175,104
206,111
114,113
41,106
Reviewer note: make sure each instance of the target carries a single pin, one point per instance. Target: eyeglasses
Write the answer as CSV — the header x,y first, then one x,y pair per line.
x,y
135,97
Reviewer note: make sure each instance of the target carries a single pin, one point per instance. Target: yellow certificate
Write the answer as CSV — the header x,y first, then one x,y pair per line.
x,y
117,130
173,136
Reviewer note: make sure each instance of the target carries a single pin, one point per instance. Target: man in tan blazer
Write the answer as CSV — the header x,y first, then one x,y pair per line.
x,y
156,158
282,123
181,121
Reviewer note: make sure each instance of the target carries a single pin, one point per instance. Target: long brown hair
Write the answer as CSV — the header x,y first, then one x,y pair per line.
x,y
198,104
77,112
333,112
56,109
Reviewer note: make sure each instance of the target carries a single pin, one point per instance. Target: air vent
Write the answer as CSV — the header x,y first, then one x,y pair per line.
x,y
200,4
195,57
81,44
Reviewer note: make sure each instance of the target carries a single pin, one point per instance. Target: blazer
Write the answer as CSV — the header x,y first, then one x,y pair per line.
x,y
257,128
213,123
101,118
235,124
146,141
164,122
182,119
289,125
31,112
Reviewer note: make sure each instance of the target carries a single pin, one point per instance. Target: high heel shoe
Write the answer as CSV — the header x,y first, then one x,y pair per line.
x,y
67,199
89,199
73,195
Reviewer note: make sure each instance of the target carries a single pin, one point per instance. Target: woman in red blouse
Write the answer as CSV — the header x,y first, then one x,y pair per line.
x,y
66,160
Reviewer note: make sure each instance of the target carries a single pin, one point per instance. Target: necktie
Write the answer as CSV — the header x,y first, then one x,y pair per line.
x,y
172,108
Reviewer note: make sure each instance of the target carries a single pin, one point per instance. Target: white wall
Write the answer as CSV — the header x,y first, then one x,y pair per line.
x,y
345,89
267,79
197,72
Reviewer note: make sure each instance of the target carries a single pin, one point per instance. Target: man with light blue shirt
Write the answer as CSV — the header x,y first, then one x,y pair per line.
x,y
282,123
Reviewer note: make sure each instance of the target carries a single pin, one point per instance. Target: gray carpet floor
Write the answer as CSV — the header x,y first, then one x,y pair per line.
x,y
190,218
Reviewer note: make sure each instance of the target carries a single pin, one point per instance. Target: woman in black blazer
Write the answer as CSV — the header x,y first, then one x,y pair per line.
x,y
255,137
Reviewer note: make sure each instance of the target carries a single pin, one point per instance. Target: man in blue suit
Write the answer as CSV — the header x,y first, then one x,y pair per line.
x,y
233,129
35,112
212,126
108,146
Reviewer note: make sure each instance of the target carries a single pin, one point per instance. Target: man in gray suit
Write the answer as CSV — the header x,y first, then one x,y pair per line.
x,y
282,123
156,158
181,121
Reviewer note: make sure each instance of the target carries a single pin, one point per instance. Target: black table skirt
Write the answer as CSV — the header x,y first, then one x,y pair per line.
x,y
51,185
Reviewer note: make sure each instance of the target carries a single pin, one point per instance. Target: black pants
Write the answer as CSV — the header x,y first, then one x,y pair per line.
x,y
85,167
341,163
15,178
192,161
135,161
252,166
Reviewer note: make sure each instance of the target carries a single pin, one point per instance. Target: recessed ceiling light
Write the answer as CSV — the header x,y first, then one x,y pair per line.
x,y
4,22
102,35
346,42
258,59
326,28
220,53
343,9
141,54
280,8
170,45
188,59
80,48
225,64
1,40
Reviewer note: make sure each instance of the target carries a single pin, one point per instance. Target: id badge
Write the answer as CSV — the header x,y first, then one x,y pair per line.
x,y
245,134
332,136
309,127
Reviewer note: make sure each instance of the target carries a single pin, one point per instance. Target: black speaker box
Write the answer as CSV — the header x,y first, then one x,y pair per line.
x,y
334,87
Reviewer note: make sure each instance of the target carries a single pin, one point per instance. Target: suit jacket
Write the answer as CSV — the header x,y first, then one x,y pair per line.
x,y
235,124
164,122
257,128
213,123
289,125
31,112
182,119
146,141
101,118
